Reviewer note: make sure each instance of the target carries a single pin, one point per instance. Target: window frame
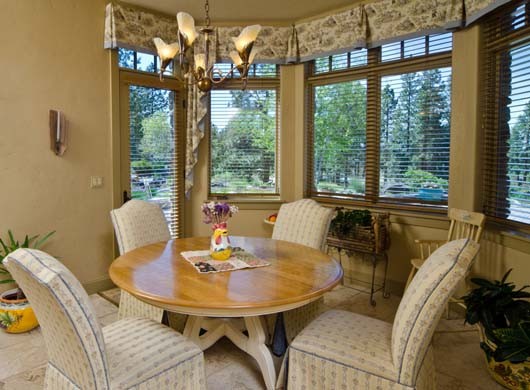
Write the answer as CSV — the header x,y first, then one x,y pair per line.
x,y
373,72
254,83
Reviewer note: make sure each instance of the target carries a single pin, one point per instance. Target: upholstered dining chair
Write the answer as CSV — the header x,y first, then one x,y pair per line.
x,y
341,349
138,223
307,223
132,353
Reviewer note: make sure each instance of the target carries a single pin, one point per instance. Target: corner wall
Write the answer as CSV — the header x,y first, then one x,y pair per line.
x,y
53,58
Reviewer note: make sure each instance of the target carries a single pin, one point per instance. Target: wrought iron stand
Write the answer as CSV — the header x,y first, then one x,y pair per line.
x,y
344,245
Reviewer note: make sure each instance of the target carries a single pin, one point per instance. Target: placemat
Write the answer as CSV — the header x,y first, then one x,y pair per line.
x,y
203,262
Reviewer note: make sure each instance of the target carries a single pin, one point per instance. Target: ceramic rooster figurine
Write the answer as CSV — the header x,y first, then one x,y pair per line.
x,y
218,214
220,248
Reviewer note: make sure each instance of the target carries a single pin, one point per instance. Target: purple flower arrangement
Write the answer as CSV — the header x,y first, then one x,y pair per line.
x,y
217,213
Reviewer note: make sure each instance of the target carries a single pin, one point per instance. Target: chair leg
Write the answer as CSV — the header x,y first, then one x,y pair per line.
x,y
411,276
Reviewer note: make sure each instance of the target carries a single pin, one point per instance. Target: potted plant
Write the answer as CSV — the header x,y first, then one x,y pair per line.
x,y
502,314
16,314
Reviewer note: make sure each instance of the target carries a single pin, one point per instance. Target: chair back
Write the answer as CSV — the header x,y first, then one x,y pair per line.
x,y
138,223
303,222
73,337
423,303
465,224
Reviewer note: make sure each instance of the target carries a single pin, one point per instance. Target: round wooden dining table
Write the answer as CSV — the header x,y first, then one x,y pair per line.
x,y
229,303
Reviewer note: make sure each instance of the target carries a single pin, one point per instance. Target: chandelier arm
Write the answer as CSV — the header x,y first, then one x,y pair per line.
x,y
222,77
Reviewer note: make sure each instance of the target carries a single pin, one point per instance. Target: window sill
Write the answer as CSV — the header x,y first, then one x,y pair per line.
x,y
251,203
384,205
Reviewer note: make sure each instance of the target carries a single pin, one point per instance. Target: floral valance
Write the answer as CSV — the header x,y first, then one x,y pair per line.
x,y
367,25
132,28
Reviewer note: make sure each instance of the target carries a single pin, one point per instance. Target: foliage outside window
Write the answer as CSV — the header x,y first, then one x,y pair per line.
x,y
380,123
244,136
131,59
507,114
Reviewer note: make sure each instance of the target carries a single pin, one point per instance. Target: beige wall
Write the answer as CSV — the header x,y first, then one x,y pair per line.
x,y
52,58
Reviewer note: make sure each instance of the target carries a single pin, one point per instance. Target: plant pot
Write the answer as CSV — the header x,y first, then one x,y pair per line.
x,y
515,376
16,315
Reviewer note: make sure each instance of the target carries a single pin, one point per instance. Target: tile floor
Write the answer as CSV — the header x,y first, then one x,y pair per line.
x,y
459,360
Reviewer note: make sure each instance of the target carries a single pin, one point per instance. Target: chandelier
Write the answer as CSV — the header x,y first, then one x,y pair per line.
x,y
200,71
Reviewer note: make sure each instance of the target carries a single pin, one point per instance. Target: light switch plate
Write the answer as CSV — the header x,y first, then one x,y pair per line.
x,y
96,181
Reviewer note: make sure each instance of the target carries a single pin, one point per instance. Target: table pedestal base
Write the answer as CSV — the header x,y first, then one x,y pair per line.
x,y
233,328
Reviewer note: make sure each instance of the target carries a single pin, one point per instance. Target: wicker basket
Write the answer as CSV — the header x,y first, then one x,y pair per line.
x,y
368,239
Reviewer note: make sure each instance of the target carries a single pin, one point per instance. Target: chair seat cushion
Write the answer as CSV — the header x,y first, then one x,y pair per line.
x,y
350,339
139,350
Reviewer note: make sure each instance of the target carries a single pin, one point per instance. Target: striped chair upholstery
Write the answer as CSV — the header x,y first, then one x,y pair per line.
x,y
131,353
307,223
347,350
138,223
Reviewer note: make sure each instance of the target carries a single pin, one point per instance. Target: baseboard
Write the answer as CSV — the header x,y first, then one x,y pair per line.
x,y
98,285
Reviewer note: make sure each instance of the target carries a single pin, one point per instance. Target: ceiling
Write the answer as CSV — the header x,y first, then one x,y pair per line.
x,y
230,11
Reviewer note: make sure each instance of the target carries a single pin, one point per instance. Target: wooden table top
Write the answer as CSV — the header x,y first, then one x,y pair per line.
x,y
159,275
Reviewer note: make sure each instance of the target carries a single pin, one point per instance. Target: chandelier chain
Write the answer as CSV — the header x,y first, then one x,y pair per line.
x,y
207,12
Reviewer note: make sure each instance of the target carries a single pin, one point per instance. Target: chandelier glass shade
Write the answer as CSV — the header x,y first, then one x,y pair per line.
x,y
200,71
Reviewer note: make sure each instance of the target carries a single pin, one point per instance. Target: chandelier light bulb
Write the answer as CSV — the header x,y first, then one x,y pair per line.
x,y
236,59
252,55
200,61
166,51
247,36
187,27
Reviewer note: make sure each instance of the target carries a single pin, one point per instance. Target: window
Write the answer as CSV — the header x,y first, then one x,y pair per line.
x,y
379,123
136,60
507,113
150,138
244,135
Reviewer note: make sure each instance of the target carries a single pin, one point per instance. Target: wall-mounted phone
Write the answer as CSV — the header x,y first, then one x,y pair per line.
x,y
58,132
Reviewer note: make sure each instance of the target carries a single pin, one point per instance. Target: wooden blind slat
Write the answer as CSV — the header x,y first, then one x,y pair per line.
x,y
506,113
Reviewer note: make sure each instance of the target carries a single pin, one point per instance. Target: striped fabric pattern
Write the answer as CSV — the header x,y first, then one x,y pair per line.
x,y
307,223
303,222
138,223
74,339
133,353
424,301
346,350
142,354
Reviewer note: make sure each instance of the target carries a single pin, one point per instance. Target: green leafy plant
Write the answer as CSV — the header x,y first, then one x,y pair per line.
x,y
10,245
345,222
504,313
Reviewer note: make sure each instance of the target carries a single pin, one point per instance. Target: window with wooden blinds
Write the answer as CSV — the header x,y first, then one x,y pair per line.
x,y
152,147
506,111
244,136
379,123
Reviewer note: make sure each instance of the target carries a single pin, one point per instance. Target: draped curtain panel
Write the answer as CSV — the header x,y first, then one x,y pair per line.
x,y
368,25
197,108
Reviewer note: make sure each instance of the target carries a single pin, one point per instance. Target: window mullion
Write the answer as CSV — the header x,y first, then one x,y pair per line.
x,y
372,128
